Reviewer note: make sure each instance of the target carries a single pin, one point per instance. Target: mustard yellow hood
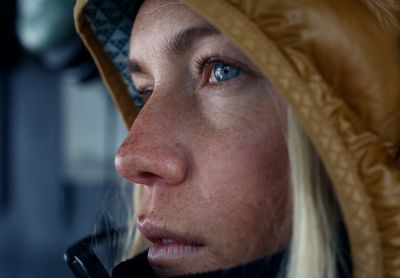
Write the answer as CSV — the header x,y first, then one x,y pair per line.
x,y
337,63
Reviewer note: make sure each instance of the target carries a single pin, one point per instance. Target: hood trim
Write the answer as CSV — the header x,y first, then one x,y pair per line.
x,y
108,71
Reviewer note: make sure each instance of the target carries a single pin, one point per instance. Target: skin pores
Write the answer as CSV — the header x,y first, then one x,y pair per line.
x,y
209,146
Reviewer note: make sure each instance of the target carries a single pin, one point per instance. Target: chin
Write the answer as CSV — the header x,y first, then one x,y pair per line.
x,y
187,266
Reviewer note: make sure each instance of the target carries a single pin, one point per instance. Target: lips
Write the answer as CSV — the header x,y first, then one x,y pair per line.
x,y
168,246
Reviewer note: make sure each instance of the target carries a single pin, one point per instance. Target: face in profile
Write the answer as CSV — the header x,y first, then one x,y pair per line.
x,y
208,146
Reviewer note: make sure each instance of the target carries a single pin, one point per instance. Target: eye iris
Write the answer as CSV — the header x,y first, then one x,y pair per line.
x,y
223,72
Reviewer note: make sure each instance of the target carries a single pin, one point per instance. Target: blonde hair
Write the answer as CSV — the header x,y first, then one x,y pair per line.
x,y
315,214
132,242
313,250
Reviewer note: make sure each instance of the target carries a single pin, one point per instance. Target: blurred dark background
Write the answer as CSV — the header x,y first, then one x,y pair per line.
x,y
58,134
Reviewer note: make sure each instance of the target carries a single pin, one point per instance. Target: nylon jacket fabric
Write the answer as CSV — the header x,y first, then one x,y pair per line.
x,y
337,64
271,266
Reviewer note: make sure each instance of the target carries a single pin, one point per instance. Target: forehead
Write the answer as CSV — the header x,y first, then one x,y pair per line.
x,y
157,17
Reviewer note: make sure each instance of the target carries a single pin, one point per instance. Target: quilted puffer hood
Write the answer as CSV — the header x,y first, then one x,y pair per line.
x,y
337,63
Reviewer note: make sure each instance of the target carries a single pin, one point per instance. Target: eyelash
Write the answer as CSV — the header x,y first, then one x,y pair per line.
x,y
144,94
203,61
200,65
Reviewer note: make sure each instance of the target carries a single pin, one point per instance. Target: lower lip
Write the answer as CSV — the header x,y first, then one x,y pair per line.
x,y
161,254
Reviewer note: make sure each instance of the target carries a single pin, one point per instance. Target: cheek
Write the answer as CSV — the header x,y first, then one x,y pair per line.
x,y
245,167
248,158
246,184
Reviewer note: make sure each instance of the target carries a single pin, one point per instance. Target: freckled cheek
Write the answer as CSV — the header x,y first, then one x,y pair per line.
x,y
250,154
247,177
247,160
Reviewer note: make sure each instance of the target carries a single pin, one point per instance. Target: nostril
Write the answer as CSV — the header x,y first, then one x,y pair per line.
x,y
147,178
146,175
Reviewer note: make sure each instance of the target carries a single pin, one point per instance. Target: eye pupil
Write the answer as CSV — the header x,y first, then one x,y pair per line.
x,y
224,72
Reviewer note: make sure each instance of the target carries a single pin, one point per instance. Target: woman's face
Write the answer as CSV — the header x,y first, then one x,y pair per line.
x,y
209,146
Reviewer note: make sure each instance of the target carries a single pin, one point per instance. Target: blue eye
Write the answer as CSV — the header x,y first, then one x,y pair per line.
x,y
222,72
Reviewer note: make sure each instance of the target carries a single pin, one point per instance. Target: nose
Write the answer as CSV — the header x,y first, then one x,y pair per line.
x,y
151,154
150,165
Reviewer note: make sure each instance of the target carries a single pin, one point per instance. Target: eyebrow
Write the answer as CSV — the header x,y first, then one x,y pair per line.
x,y
177,44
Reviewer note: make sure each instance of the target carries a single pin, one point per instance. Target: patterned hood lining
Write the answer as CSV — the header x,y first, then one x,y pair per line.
x,y
112,23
